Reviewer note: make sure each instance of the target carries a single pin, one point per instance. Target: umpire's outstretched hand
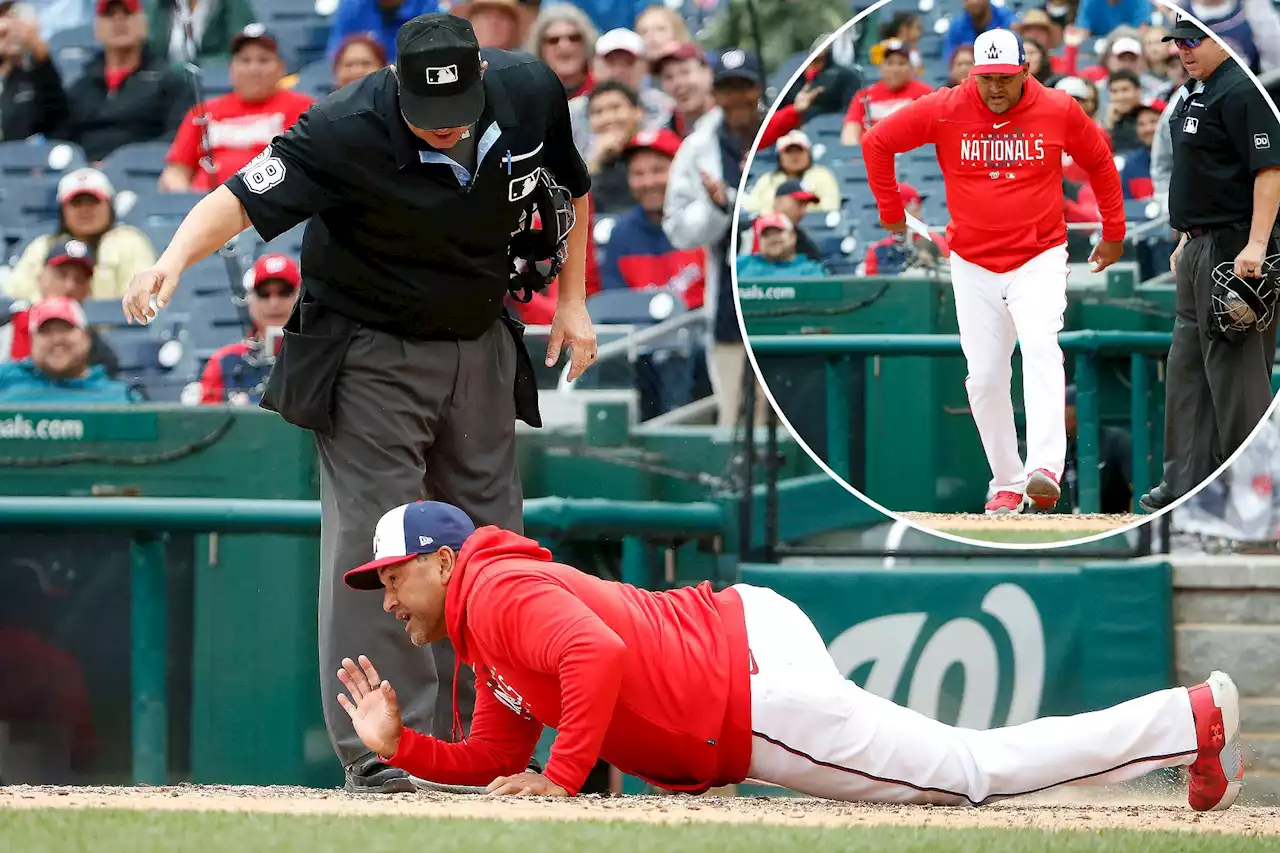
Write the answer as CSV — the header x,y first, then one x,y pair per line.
x,y
376,712
158,281
572,328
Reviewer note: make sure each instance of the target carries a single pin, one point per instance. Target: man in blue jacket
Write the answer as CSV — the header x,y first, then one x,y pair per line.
x,y
58,370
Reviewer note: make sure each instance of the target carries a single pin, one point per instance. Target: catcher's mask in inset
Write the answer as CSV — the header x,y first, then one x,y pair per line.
x,y
1242,304
540,246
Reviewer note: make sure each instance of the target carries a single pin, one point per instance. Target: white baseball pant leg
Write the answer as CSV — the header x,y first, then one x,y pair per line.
x,y
993,311
817,733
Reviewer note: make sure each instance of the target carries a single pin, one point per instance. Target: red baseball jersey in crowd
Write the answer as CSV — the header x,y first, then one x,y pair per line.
x,y
657,684
238,131
875,103
1003,171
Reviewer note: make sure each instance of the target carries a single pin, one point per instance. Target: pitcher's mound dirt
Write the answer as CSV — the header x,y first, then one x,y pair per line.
x,y
1057,811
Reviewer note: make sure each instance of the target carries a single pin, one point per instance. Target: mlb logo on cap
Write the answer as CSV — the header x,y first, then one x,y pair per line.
x,y
441,76
408,531
998,52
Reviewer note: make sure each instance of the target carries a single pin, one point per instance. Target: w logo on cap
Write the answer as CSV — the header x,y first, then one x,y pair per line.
x,y
993,52
440,76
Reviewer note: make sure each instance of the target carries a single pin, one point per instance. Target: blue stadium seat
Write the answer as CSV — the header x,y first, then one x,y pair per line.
x,y
209,277
622,307
289,243
104,313
215,78
33,157
827,124
136,166
71,50
285,11
165,208
28,200
315,79
302,42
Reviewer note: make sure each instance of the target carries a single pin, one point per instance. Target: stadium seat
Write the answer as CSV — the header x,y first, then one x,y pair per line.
x,y
163,208
30,201
215,78
32,157
315,79
827,124
71,50
302,42
289,243
286,11
136,166
622,307
211,275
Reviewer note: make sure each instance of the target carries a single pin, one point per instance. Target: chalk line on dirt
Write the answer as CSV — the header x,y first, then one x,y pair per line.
x,y
1119,813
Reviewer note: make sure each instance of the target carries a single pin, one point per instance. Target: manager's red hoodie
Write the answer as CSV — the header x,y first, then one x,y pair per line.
x,y
657,684
1003,171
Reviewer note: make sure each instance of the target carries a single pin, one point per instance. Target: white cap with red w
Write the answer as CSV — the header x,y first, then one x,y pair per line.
x,y
998,52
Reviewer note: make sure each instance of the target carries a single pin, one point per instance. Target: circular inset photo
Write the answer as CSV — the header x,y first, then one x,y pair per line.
x,y
1019,287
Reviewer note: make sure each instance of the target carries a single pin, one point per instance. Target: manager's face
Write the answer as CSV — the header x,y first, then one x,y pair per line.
x,y
415,592
1000,92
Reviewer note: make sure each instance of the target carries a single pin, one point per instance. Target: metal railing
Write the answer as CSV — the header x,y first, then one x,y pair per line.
x,y
148,520
842,352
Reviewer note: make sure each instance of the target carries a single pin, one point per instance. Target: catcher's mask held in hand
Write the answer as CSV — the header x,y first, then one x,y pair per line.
x,y
1242,304
540,245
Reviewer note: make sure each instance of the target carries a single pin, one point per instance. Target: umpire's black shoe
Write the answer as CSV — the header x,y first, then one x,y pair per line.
x,y
368,775
1157,499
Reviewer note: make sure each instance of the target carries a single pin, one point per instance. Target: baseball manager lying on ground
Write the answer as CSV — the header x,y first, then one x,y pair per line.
x,y
691,689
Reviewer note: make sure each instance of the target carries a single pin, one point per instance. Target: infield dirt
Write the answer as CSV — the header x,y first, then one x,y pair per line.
x,y
1052,811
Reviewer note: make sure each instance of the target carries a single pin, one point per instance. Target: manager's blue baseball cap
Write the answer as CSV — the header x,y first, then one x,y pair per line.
x,y
422,527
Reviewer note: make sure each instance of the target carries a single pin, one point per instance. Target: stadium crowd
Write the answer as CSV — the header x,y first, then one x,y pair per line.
x,y
115,117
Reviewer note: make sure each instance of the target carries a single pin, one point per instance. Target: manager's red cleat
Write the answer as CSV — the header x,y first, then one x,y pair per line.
x,y
1043,489
1218,771
1005,503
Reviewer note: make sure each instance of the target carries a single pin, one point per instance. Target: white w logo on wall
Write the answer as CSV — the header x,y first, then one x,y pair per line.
x,y
888,641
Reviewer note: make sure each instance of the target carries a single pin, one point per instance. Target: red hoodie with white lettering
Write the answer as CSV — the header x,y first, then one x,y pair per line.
x,y
655,683
1003,171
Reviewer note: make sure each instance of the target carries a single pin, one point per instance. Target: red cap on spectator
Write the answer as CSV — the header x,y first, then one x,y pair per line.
x,y
254,33
772,220
57,308
663,141
276,267
909,193
677,50
134,6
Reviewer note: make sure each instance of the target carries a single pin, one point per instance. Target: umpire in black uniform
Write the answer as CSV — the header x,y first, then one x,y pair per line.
x,y
400,356
1223,198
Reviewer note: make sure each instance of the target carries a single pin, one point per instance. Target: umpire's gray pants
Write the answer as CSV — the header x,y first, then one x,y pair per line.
x,y
413,420
1216,391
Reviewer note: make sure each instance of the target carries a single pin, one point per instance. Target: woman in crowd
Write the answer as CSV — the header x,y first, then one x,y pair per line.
x,y
358,56
961,63
86,213
795,162
563,37
660,26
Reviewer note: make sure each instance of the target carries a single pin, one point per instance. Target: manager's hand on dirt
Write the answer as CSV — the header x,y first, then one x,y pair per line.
x,y
157,281
1106,253
572,328
376,712
1249,261
525,784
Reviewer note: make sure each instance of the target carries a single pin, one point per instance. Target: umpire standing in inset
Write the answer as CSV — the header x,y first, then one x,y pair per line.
x,y
400,357
1223,197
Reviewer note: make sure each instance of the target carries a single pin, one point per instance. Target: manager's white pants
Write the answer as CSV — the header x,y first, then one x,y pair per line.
x,y
815,732
993,311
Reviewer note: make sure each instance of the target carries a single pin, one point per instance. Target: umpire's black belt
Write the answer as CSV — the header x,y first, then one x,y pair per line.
x,y
1201,230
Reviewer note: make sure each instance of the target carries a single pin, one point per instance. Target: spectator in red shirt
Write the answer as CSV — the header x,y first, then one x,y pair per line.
x,y
897,88
241,123
685,77
237,373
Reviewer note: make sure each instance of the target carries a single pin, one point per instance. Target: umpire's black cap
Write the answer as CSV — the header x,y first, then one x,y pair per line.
x,y
438,65
1185,28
